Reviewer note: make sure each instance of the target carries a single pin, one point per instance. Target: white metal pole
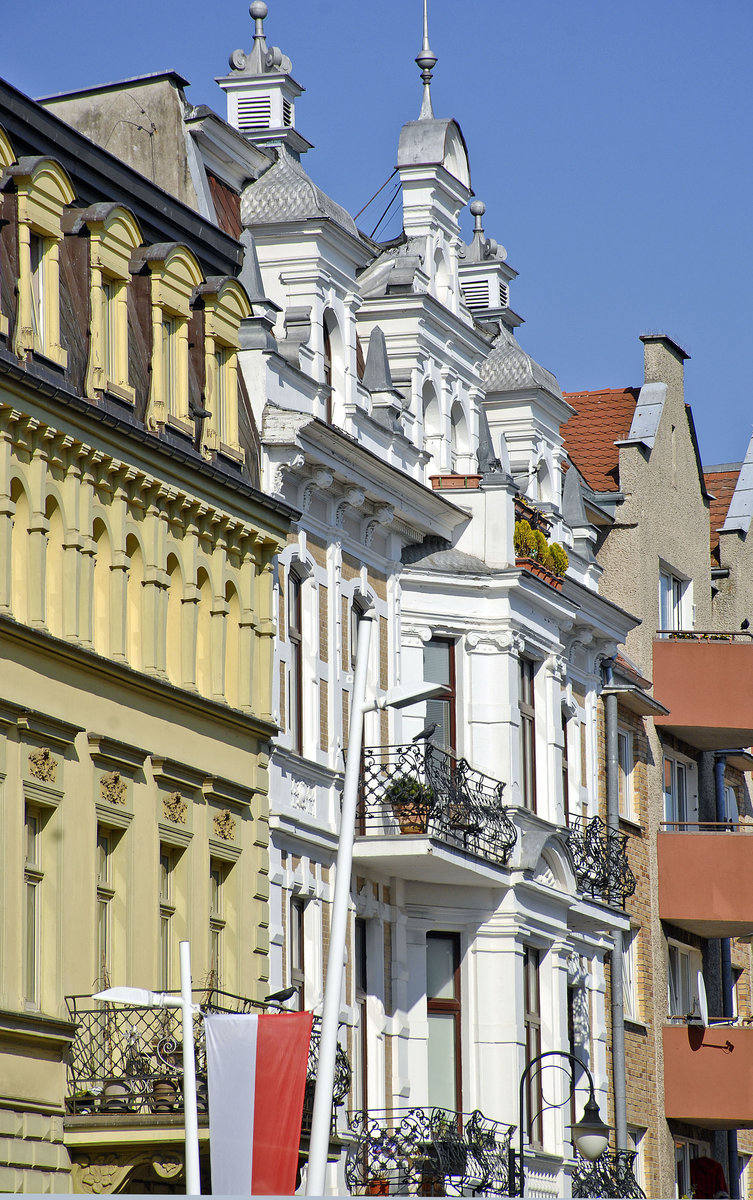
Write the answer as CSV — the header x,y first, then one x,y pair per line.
x,y
325,1076
190,1114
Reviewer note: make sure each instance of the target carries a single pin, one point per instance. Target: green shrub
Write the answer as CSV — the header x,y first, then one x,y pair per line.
x,y
560,561
541,546
524,540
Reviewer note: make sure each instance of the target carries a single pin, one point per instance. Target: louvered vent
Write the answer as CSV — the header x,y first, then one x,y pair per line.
x,y
254,113
287,113
504,295
476,292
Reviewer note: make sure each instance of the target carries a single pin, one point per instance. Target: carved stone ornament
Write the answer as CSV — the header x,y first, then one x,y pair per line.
x,y
224,826
43,766
175,808
113,787
106,1174
303,797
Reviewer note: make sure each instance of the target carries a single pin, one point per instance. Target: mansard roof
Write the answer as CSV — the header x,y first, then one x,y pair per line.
x,y
285,193
508,368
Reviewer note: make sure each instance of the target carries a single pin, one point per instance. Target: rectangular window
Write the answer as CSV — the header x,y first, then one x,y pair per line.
x,y
685,1152
676,810
37,247
298,950
527,734
672,602
444,1013
110,291
32,883
625,773
166,911
170,364
532,1019
105,893
217,874
222,399
295,665
439,667
730,805
635,1138
565,769
629,975
359,1089
684,965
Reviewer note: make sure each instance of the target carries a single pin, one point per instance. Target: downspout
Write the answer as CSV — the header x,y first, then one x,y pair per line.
x,y
618,1002
733,1165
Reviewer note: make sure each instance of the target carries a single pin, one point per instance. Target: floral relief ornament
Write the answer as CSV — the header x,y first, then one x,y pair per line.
x,y
43,766
224,826
175,808
113,787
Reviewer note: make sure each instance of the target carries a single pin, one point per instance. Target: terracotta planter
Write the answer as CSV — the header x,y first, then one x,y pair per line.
x,y
535,568
378,1187
411,817
116,1096
164,1095
446,483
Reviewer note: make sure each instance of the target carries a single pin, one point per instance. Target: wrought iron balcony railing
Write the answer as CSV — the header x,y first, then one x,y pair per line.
x,y
428,1152
601,862
127,1059
419,789
610,1175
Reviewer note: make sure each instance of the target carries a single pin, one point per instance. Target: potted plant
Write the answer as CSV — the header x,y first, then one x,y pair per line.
x,y
164,1094
378,1185
411,803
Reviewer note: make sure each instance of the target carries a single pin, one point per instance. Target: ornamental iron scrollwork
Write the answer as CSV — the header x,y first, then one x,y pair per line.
x,y
129,1059
428,1152
419,789
600,859
610,1175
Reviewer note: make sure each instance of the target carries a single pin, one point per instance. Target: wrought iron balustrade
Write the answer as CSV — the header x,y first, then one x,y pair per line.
x,y
600,857
428,1152
419,789
129,1059
610,1175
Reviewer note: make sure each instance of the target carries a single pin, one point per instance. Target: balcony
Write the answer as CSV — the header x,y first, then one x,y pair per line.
x,y
600,859
706,681
706,878
127,1061
612,1174
427,1152
425,815
708,1075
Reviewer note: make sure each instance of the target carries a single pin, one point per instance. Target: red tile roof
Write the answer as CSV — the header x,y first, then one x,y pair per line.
x,y
600,420
721,484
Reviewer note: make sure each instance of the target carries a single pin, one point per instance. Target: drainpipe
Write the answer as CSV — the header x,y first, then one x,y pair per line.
x,y
618,1004
733,1166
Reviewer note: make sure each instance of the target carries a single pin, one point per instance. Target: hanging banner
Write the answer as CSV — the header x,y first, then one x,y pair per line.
x,y
256,1075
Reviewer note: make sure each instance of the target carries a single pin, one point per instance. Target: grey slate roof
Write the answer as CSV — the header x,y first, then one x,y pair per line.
x,y
453,562
285,193
508,368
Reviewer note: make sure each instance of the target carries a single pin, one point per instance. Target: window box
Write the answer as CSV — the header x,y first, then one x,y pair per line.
x,y
541,572
451,481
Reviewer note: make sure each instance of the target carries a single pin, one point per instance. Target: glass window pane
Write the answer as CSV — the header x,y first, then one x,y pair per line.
x,y
30,982
442,1051
440,968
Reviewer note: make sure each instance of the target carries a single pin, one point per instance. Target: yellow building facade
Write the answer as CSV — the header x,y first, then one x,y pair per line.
x,y
136,655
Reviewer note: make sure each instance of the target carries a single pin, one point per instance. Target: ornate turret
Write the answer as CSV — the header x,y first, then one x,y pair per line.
x,y
261,92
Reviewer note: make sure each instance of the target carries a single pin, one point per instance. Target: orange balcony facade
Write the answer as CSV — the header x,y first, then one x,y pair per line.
x,y
708,1075
706,880
706,682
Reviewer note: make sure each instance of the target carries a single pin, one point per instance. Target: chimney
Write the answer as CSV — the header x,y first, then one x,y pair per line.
x,y
663,361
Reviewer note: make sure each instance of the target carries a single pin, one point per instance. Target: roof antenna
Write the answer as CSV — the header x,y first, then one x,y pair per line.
x,y
427,62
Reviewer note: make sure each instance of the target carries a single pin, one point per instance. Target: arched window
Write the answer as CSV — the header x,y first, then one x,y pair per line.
x,y
204,634
113,236
295,660
460,441
101,580
225,306
232,646
332,363
20,553
432,426
54,594
174,641
134,602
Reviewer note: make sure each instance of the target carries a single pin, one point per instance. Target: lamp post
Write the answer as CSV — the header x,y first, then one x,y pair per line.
x,y
325,1076
146,999
590,1134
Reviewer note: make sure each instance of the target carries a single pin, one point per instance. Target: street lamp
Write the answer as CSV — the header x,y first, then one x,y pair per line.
x,y
147,999
402,697
590,1134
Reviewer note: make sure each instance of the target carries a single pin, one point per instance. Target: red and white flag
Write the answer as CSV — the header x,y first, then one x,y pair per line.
x,y
256,1074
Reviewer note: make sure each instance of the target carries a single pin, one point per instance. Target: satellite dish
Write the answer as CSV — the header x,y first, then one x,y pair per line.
x,y
703,1003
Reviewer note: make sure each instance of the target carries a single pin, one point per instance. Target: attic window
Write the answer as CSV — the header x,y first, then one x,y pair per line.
x,y
476,292
287,113
254,112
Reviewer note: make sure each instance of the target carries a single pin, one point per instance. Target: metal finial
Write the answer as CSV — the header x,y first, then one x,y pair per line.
x,y
258,11
478,208
427,61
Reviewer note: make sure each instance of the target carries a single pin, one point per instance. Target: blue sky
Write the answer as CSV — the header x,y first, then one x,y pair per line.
x,y
610,141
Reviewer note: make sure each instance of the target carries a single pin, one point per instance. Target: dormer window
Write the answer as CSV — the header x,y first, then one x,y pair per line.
x,y
169,356
37,248
225,306
113,237
175,276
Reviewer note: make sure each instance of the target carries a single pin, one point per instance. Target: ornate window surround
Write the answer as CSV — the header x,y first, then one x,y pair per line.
x,y
225,306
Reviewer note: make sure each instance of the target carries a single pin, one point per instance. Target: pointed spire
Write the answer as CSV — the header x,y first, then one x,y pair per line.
x,y
427,61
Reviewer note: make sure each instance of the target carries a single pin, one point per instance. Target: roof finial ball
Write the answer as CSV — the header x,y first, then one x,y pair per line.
x,y
478,208
258,11
427,61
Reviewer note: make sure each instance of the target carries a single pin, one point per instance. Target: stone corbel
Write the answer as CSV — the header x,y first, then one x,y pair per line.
x,y
513,643
354,498
556,666
383,517
297,323
321,481
282,469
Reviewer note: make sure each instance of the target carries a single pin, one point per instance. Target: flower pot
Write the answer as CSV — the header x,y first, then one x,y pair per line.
x,y
541,572
116,1096
164,1095
412,818
378,1186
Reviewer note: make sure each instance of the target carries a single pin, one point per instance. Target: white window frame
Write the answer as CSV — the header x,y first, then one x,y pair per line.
x,y
630,975
683,964
635,1136
685,1150
680,792
625,768
675,601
